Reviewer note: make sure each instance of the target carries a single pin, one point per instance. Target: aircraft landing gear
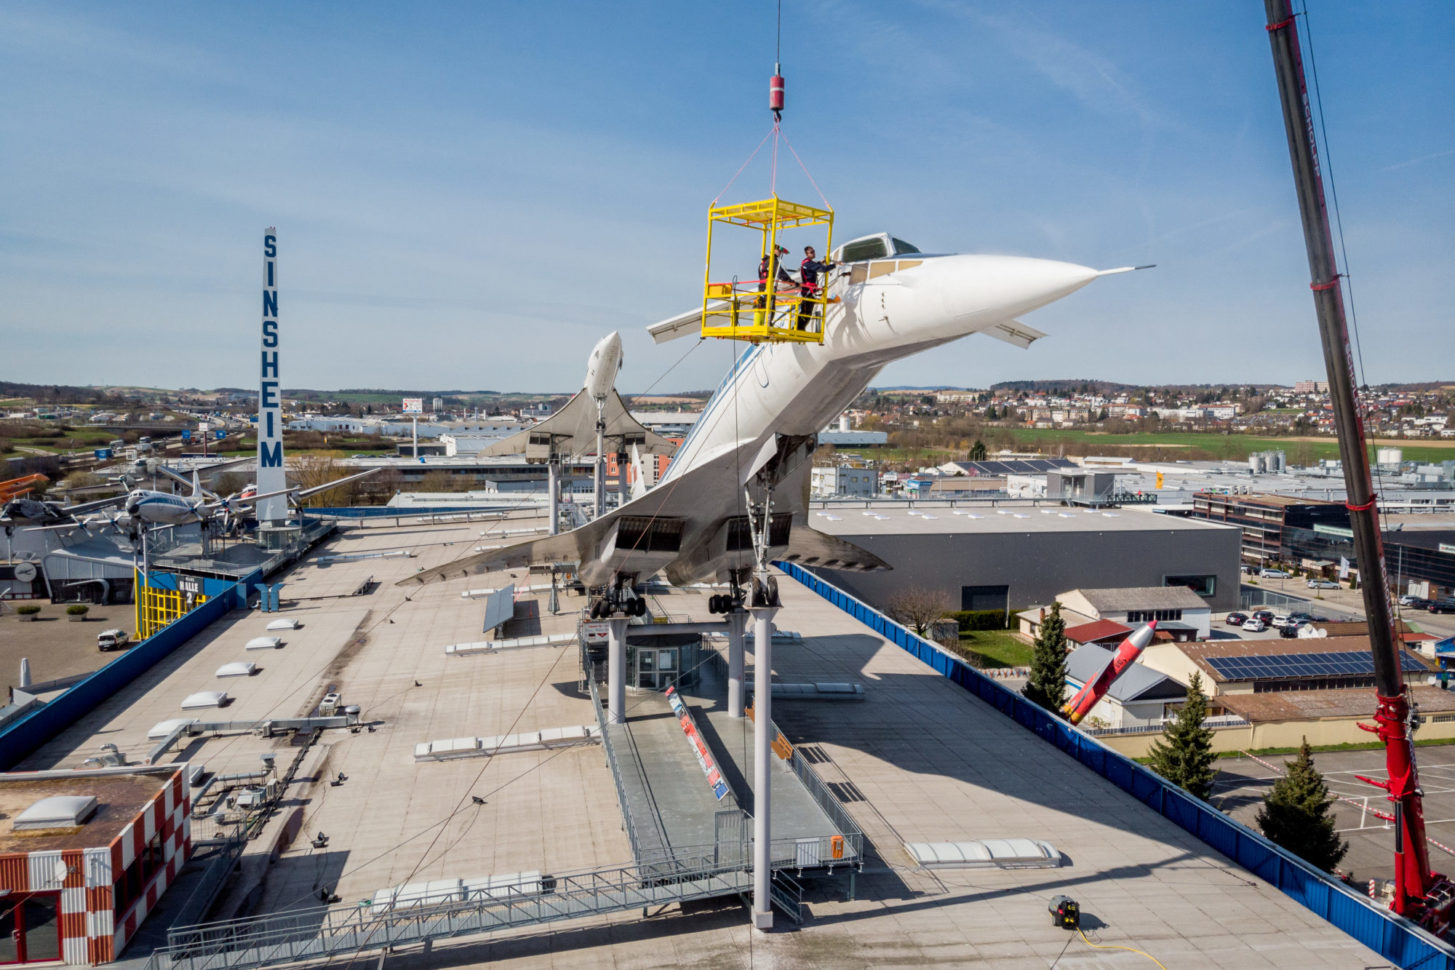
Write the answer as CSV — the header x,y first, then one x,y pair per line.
x,y
619,599
764,591
725,603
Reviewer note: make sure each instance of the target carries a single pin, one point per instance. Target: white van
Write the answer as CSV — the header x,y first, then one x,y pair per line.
x,y
112,640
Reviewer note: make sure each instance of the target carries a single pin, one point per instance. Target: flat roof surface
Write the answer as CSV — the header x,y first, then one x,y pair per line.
x,y
1345,702
120,797
918,760
896,518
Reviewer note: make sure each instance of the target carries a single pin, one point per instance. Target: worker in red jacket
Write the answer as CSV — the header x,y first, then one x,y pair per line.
x,y
808,285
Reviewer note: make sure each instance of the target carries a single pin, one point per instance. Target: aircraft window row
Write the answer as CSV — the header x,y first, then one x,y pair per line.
x,y
880,267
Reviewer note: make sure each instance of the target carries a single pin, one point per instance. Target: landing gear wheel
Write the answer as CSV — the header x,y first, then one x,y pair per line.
x,y
764,594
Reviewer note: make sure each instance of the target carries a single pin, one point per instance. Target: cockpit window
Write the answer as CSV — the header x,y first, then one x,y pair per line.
x,y
900,246
861,249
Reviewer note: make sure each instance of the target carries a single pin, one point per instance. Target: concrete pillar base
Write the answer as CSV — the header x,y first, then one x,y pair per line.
x,y
762,921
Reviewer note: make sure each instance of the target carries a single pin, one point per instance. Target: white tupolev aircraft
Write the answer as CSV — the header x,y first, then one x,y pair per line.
x,y
735,493
594,421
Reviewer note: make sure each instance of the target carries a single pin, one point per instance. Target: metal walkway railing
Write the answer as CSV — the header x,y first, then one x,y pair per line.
x,y
322,933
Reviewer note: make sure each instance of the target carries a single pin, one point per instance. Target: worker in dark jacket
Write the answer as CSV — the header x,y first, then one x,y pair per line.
x,y
770,266
808,284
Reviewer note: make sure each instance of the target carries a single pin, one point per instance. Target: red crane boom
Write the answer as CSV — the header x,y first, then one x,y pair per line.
x,y
1420,893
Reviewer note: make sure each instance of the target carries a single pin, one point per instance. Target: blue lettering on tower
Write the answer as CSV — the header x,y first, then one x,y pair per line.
x,y
270,303
270,333
270,246
270,454
270,364
270,433
270,394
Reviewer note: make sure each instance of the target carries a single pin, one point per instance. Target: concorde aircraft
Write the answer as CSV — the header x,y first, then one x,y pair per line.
x,y
594,421
736,491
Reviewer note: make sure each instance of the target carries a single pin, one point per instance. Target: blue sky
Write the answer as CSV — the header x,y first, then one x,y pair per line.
x,y
469,195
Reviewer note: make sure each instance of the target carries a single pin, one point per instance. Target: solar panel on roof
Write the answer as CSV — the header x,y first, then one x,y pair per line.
x,y
1302,665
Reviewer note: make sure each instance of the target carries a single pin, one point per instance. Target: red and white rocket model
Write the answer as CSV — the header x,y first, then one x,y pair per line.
x,y
1095,689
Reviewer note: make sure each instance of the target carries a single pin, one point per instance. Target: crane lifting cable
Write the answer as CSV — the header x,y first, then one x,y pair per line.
x,y
771,306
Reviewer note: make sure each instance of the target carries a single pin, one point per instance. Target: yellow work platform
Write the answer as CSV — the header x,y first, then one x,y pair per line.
x,y
771,306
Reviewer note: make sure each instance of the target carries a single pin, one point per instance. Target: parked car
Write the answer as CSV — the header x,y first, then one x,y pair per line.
x,y
1263,616
1415,602
1442,606
1237,619
1291,628
1255,625
1300,617
1272,574
111,640
1279,620
1322,584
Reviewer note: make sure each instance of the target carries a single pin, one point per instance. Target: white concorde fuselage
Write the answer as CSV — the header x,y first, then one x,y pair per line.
x,y
602,368
798,388
764,414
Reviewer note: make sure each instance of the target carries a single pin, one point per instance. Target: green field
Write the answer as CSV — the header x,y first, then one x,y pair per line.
x,y
1157,445
995,648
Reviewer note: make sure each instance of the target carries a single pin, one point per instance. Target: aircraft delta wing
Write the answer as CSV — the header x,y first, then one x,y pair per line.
x,y
572,431
666,530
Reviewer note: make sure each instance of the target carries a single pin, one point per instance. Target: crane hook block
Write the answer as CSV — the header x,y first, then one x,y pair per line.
x,y
775,93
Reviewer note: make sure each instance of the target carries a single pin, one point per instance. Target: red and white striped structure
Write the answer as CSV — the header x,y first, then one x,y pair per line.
x,y
103,877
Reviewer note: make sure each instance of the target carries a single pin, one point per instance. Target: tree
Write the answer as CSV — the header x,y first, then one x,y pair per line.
x,y
977,450
918,607
1295,814
1047,683
1184,753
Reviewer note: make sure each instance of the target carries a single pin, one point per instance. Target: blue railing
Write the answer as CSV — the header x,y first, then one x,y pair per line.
x,y
26,735
1393,937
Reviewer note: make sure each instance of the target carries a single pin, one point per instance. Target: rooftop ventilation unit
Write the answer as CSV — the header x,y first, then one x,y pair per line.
x,y
163,728
284,625
56,812
237,668
264,643
985,854
204,698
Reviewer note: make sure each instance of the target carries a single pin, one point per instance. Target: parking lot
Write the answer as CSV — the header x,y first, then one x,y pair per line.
x,y
1242,783
55,646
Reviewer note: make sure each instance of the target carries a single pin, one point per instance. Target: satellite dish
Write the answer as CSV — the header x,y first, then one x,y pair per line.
x,y
25,572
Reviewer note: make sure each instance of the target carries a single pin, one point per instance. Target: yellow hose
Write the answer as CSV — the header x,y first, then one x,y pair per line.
x,y
1109,946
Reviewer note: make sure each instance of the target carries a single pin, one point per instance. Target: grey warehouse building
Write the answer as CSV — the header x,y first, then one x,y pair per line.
x,y
1009,557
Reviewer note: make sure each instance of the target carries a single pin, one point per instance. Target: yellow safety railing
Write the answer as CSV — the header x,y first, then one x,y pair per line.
x,y
155,608
766,309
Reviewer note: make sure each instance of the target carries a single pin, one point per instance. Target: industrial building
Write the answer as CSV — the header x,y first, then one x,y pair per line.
x,y
844,481
1010,556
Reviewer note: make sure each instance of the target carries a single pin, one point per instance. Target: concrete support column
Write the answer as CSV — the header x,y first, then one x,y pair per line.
x,y
737,623
762,764
553,478
616,670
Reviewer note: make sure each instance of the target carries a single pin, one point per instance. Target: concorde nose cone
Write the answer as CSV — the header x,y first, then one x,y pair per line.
x,y
1002,287
601,370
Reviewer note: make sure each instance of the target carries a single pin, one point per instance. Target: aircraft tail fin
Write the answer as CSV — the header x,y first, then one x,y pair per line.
x,y
810,547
